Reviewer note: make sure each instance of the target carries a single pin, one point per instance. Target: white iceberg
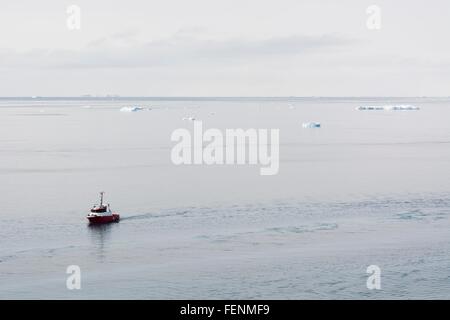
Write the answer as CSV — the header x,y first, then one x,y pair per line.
x,y
400,107
308,125
131,109
370,108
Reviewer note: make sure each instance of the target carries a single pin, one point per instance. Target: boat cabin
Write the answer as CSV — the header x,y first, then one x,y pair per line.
x,y
99,209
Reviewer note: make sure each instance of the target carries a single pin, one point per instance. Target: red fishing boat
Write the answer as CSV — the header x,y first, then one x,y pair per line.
x,y
102,213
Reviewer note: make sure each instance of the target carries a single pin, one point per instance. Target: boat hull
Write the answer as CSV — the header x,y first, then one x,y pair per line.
x,y
103,219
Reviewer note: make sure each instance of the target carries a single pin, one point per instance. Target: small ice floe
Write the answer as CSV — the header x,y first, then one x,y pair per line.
x,y
370,108
188,119
401,107
308,125
131,109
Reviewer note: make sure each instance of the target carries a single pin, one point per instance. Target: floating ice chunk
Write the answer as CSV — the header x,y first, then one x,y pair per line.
x,y
370,108
131,109
308,125
400,107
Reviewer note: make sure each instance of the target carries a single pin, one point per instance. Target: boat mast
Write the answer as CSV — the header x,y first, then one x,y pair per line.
x,y
101,198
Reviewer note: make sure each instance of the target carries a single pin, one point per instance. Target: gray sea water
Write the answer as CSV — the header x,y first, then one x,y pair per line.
x,y
368,188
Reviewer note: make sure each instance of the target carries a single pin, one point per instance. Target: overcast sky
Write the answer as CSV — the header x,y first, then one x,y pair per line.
x,y
225,48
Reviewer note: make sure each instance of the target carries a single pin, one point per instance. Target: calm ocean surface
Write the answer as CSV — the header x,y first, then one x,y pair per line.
x,y
368,188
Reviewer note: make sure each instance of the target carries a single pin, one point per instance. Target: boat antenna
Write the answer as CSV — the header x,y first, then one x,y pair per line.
x,y
101,198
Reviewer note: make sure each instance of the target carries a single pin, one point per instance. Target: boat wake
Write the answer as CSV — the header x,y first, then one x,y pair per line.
x,y
151,215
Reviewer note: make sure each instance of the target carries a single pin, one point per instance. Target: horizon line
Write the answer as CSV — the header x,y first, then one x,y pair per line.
x,y
112,97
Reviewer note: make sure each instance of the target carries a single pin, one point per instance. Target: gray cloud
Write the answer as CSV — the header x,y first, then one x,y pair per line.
x,y
123,51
